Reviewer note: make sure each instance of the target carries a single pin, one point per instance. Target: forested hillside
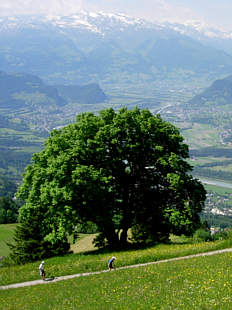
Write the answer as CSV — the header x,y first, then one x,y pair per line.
x,y
29,110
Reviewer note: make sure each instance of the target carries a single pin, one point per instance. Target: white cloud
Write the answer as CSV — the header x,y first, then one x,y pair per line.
x,y
12,7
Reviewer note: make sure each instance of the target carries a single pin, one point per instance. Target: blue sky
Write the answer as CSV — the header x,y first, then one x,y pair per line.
x,y
213,12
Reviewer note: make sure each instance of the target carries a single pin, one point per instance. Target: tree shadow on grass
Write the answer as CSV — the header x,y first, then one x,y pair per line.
x,y
129,247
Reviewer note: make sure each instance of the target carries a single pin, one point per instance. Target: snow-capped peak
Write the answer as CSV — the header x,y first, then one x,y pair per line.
x,y
101,22
198,28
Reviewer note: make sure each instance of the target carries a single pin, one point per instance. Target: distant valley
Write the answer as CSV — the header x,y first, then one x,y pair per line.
x,y
27,98
55,67
30,109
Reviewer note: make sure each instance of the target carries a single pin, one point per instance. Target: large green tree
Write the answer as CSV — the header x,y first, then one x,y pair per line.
x,y
119,170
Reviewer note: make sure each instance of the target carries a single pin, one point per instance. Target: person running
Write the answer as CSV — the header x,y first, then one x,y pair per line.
x,y
111,263
41,270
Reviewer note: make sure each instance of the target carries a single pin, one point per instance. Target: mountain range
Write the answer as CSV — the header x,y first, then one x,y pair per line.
x,y
111,49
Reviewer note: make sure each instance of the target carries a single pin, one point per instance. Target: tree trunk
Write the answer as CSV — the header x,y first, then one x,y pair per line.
x,y
112,238
123,237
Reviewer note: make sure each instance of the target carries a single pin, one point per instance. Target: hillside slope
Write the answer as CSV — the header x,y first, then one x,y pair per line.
x,y
30,109
218,94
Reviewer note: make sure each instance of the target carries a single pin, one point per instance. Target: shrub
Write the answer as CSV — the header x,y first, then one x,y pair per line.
x,y
202,235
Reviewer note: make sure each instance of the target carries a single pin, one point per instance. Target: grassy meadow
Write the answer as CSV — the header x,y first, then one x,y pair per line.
x,y
200,135
6,235
197,283
96,260
84,243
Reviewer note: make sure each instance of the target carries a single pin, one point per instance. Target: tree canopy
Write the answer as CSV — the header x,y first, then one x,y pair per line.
x,y
119,170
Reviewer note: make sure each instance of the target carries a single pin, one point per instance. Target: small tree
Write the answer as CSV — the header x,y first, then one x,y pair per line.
x,y
29,244
8,210
118,170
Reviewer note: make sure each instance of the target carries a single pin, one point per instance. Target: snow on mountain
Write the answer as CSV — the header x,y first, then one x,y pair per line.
x,y
109,48
197,29
97,22
129,31
101,23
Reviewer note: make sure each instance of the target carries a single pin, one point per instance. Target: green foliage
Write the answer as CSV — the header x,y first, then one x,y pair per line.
x,y
142,234
87,228
202,235
222,235
29,245
115,170
8,210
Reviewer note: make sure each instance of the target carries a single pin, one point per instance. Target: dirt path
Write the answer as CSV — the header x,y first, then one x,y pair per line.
x,y
56,279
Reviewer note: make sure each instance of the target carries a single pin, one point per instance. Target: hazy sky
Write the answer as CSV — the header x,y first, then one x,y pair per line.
x,y
213,12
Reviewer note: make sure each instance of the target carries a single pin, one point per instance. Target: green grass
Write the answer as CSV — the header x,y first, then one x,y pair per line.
x,y
218,189
84,243
223,168
6,235
95,261
201,135
202,283
208,159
